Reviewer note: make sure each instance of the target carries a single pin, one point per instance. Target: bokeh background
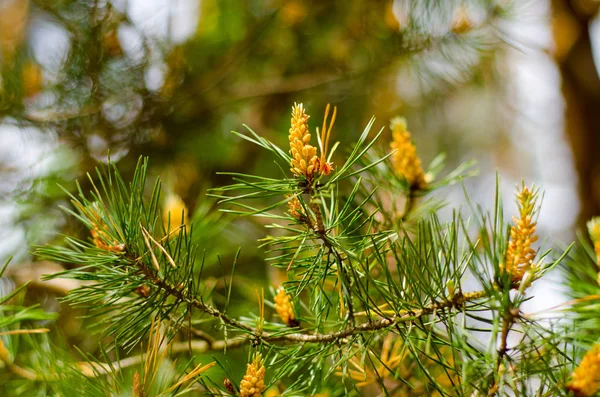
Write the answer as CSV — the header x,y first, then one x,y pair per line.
x,y
513,85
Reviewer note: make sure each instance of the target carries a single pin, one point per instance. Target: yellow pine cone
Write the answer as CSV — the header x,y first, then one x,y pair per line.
x,y
285,307
137,387
295,209
585,381
405,159
97,238
253,383
100,236
519,254
175,213
305,161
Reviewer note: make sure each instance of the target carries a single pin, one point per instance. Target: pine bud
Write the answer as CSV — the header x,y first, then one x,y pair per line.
x,y
253,383
285,308
295,209
528,278
143,290
451,288
229,386
100,232
405,159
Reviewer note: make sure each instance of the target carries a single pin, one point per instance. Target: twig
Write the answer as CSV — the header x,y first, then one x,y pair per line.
x,y
408,205
345,278
402,316
508,320
202,346
200,334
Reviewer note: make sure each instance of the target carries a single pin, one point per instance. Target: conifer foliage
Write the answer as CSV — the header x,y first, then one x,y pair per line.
x,y
382,295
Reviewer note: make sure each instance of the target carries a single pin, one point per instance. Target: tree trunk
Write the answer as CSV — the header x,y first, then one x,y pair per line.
x,y
581,91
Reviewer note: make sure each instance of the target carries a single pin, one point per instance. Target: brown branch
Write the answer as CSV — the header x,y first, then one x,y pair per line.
x,y
205,336
345,278
402,316
208,343
408,205
508,320
318,227
202,346
181,296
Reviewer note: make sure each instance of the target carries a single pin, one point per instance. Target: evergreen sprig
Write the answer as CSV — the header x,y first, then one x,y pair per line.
x,y
377,290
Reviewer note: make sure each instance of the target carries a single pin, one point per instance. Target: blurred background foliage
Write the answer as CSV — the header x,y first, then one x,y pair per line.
x,y
511,84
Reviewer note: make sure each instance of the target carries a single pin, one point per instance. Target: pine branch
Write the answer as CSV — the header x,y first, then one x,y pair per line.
x,y
408,205
508,320
403,316
345,278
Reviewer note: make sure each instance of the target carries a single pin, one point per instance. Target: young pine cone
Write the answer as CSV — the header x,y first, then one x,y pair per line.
x,y
253,383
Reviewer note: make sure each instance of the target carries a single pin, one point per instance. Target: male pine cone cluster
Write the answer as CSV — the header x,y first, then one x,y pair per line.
x,y
304,156
305,161
99,230
519,254
405,159
285,308
295,209
585,381
253,383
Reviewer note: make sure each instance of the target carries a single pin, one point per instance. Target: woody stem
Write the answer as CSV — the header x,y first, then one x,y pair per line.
x,y
345,278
